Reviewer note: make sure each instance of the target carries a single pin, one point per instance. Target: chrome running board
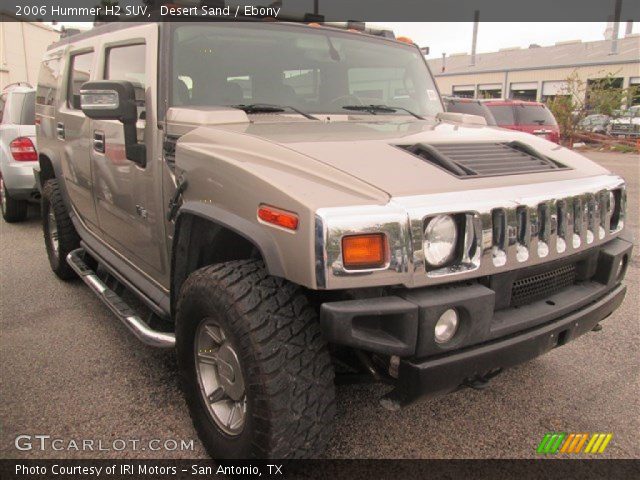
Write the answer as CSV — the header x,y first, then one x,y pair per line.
x,y
117,305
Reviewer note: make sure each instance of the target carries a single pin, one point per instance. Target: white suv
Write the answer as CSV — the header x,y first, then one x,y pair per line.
x,y
18,153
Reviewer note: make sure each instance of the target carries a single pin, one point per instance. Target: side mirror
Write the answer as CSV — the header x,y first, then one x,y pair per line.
x,y
115,100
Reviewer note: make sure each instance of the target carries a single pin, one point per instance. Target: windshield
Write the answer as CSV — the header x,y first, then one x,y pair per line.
x,y
534,115
503,114
471,108
316,70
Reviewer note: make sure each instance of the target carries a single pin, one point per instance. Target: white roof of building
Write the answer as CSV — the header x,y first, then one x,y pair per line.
x,y
563,54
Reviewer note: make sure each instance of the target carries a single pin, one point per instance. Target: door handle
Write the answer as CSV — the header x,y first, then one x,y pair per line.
x,y
60,130
98,141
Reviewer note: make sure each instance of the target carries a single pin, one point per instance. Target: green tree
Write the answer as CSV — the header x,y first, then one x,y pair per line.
x,y
578,99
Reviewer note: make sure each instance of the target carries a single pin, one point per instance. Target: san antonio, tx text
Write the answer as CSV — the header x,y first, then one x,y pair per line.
x,y
143,469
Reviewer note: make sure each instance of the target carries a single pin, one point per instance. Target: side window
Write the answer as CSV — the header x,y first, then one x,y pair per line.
x,y
127,63
48,82
79,73
28,111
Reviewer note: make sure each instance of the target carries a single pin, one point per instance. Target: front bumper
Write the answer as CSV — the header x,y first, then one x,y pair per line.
x,y
444,374
492,335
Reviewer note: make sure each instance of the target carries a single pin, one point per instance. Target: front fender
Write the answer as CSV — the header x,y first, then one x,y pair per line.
x,y
243,227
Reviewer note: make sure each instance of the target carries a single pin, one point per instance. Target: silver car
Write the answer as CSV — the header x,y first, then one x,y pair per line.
x,y
18,153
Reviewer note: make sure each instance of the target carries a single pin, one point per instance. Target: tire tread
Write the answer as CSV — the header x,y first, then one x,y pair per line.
x,y
291,371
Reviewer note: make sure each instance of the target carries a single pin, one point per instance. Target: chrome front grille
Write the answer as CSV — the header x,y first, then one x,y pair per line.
x,y
551,227
534,230
503,228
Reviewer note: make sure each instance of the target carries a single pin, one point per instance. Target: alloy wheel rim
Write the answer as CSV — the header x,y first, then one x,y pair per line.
x,y
53,232
220,377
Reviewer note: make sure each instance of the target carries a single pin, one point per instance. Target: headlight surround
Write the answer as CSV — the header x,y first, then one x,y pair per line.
x,y
440,240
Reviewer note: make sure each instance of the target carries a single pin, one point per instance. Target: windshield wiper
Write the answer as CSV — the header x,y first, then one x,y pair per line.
x,y
271,108
373,109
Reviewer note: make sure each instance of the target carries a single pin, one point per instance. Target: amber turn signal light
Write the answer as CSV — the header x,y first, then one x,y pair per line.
x,y
404,40
278,217
364,251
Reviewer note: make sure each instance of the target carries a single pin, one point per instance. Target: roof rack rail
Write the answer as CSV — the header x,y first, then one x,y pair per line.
x,y
362,27
69,32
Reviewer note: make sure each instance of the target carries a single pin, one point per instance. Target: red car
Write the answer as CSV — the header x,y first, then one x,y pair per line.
x,y
531,117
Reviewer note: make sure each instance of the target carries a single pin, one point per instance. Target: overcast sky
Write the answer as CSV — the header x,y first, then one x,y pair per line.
x,y
456,37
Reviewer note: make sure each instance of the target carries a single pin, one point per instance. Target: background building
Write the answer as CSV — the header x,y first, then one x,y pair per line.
x,y
22,46
537,73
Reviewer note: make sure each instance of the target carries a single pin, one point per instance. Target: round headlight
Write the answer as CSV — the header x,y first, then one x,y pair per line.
x,y
440,238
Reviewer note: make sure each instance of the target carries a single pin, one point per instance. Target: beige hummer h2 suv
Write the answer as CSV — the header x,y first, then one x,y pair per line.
x,y
290,202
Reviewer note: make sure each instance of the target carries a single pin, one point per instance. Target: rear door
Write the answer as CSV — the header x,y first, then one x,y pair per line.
x,y
73,132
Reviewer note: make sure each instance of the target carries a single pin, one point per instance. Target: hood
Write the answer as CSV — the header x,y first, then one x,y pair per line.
x,y
368,151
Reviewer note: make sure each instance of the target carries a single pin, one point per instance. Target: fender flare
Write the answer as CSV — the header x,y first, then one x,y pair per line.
x,y
251,231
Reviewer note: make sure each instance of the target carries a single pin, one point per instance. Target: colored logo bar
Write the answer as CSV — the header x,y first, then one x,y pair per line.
x,y
560,442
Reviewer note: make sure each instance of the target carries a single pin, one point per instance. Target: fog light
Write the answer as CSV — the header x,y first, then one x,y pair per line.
x,y
446,326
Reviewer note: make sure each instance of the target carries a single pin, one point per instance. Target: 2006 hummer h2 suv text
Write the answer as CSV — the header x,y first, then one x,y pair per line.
x,y
290,201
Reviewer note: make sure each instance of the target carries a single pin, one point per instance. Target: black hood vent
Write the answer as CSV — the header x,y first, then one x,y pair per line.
x,y
473,160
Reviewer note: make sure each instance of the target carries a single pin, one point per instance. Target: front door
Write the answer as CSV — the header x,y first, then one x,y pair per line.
x,y
128,196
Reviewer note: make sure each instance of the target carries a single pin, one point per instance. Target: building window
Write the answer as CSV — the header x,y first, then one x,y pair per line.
x,y
527,91
464,91
602,84
553,89
491,90
634,91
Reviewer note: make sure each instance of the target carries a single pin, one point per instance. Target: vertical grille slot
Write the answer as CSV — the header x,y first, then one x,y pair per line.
x,y
544,231
523,234
576,215
604,217
499,232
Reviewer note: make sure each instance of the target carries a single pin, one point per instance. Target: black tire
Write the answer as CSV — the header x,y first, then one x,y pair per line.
x,y
68,239
284,361
12,210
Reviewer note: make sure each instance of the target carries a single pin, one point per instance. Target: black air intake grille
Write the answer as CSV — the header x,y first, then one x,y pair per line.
x,y
537,287
473,160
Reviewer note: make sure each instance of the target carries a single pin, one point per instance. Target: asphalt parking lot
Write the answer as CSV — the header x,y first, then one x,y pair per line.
x,y
69,369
